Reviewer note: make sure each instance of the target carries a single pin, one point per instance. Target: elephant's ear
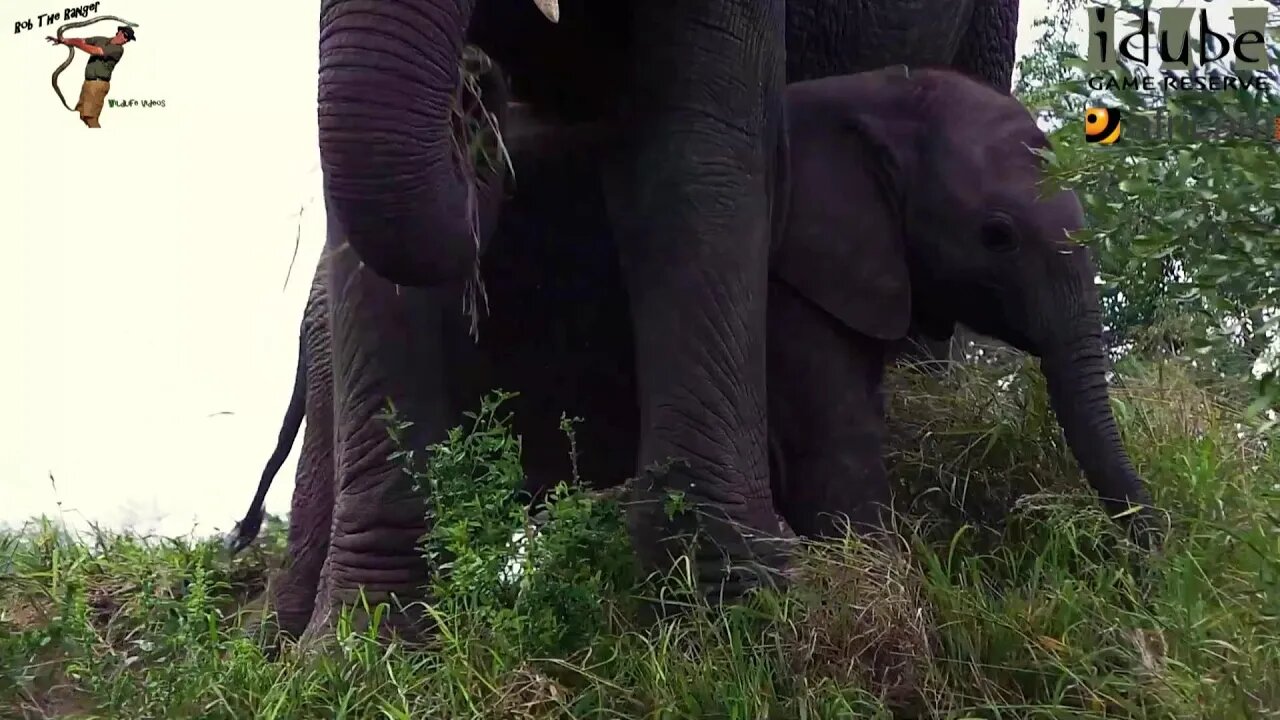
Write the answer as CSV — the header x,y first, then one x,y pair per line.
x,y
852,148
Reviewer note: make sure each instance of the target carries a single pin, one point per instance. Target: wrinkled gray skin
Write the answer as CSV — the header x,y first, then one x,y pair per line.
x,y
693,89
894,215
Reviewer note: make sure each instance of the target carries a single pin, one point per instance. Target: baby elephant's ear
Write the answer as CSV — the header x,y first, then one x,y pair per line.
x,y
843,244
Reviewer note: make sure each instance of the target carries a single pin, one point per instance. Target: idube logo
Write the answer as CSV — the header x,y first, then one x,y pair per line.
x,y
1172,41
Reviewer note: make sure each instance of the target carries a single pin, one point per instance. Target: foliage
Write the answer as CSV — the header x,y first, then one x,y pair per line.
x,y
1041,70
539,597
1184,227
1007,603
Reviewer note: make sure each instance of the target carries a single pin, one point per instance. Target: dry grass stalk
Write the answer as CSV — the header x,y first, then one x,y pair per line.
x,y
479,147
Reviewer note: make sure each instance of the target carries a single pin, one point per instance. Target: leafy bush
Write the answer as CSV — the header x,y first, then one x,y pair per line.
x,y
1184,223
542,597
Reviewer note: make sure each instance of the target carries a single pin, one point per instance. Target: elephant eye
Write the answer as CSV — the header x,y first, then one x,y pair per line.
x,y
999,235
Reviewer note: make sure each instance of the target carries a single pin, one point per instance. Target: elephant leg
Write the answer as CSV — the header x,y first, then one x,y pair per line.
x,y
311,510
689,193
987,47
559,331
826,419
387,345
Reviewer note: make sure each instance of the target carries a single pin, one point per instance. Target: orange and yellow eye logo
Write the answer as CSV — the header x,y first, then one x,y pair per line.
x,y
1101,125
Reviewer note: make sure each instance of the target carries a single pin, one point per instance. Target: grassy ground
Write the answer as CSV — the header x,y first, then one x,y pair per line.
x,y
1006,598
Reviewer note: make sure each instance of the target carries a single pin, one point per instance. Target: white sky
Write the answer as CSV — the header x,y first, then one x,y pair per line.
x,y
146,263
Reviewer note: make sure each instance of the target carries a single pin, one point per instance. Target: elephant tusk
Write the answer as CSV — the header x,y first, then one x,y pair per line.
x,y
550,8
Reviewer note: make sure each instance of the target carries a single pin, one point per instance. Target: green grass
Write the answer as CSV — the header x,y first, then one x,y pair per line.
x,y
1007,596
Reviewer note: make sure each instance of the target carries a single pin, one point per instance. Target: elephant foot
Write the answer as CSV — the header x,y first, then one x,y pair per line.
x,y
270,638
721,557
375,573
274,620
343,605
292,602
271,628
290,625
405,622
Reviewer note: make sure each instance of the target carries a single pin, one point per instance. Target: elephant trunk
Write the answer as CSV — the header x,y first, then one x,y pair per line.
x,y
1075,372
396,180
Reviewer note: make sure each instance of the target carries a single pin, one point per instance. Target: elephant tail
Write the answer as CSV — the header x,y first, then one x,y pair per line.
x,y
246,531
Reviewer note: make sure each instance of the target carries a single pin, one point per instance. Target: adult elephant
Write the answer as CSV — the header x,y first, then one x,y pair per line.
x,y
693,89
897,217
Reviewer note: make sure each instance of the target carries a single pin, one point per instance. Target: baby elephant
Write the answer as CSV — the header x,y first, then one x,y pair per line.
x,y
916,198
908,199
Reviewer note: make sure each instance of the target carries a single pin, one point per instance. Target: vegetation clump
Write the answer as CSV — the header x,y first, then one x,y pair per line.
x,y
1002,598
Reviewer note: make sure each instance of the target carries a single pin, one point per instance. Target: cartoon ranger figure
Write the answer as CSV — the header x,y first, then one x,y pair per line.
x,y
104,53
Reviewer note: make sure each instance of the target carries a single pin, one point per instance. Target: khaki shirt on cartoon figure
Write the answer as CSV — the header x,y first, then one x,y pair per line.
x,y
104,54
